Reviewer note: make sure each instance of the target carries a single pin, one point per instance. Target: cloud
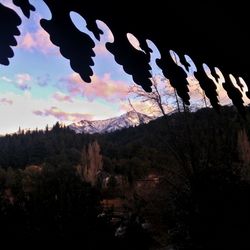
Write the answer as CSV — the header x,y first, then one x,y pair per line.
x,y
27,111
6,101
38,112
6,79
141,107
62,115
59,96
39,41
43,81
101,50
23,81
101,87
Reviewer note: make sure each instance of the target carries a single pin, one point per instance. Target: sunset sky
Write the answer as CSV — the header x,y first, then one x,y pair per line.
x,y
40,88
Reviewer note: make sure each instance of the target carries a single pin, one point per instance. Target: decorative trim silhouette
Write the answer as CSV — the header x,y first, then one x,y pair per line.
x,y
172,25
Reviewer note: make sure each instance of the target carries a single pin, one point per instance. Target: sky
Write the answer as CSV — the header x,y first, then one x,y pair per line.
x,y
39,88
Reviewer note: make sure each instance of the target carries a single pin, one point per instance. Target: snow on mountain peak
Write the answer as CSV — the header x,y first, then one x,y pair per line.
x,y
129,119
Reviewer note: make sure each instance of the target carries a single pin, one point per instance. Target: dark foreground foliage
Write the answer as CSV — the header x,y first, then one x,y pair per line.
x,y
201,199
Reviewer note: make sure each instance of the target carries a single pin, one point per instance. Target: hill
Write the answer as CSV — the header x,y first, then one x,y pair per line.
x,y
186,175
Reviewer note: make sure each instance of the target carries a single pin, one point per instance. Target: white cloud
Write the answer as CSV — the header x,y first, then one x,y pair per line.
x,y
21,112
23,81
5,79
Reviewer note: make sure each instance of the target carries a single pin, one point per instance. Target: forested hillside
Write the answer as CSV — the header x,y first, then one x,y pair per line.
x,y
187,175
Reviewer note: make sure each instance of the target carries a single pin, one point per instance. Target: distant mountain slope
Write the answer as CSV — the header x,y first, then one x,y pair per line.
x,y
130,119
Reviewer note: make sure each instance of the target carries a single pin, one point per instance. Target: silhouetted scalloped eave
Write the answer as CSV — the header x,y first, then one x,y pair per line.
x,y
74,45
9,21
25,6
171,25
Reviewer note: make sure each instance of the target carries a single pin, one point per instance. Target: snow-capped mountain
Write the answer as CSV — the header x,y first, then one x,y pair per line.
x,y
130,119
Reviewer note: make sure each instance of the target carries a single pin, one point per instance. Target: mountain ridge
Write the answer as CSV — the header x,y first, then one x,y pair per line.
x,y
129,119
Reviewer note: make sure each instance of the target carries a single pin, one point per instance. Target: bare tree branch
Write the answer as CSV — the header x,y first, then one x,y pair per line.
x,y
159,98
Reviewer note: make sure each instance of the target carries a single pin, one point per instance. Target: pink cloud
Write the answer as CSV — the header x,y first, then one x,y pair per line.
x,y
101,87
28,41
59,96
6,101
23,81
39,41
38,112
62,115
101,50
